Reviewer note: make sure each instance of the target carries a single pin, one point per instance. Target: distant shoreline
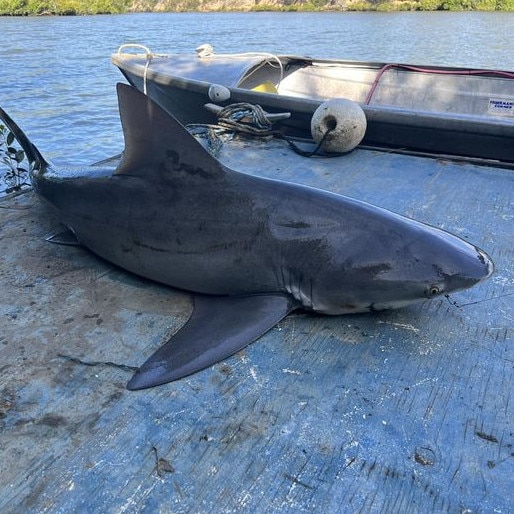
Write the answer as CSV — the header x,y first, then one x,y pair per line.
x,y
94,7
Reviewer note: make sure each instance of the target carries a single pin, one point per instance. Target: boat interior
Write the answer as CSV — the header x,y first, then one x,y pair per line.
x,y
429,89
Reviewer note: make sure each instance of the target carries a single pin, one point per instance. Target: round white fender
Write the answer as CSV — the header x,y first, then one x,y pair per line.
x,y
344,119
218,93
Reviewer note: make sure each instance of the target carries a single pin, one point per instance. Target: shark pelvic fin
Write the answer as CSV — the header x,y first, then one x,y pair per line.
x,y
66,237
155,140
218,327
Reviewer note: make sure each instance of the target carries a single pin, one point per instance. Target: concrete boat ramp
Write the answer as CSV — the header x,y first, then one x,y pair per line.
x,y
404,411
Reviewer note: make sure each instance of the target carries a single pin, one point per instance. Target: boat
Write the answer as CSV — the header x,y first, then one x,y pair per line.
x,y
424,109
402,411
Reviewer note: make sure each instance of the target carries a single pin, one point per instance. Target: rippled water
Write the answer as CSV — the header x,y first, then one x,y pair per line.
x,y
57,81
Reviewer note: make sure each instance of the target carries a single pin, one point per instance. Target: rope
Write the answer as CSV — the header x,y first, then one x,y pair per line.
x,y
247,119
386,67
214,135
258,124
149,56
310,153
206,50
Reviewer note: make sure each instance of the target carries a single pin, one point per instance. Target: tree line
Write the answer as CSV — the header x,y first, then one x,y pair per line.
x,y
83,7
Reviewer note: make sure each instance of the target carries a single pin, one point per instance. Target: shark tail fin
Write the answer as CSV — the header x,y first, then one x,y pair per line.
x,y
36,160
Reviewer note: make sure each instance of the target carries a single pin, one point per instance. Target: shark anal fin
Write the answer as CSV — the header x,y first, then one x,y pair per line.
x,y
65,237
218,327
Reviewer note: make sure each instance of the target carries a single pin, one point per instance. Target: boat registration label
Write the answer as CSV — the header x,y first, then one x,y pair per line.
x,y
501,106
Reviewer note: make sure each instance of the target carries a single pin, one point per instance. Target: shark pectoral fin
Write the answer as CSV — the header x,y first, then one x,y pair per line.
x,y
66,237
218,327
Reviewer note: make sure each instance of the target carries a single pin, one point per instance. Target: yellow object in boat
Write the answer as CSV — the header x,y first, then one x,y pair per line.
x,y
266,87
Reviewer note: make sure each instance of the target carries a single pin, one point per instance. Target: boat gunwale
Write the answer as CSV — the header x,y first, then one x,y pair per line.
x,y
307,105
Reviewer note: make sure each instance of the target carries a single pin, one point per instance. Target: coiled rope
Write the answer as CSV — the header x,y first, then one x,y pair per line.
x,y
248,119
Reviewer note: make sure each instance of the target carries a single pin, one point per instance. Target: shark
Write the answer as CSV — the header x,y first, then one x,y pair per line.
x,y
250,249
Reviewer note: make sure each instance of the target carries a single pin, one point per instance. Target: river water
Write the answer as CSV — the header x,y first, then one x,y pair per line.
x,y
57,81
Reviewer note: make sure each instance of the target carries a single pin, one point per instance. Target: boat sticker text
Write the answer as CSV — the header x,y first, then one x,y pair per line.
x,y
501,106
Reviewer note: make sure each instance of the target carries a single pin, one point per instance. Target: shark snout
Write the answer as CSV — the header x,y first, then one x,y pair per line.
x,y
477,266
480,267
488,264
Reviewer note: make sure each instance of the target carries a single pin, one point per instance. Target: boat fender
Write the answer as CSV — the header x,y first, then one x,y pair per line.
x,y
218,93
345,122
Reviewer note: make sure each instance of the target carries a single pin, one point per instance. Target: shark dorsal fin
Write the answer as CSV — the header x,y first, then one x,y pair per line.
x,y
155,139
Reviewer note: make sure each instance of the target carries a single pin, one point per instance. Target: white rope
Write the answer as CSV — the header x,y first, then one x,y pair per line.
x,y
133,45
206,51
148,54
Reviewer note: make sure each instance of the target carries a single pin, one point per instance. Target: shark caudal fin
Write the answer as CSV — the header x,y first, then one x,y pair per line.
x,y
31,152
154,137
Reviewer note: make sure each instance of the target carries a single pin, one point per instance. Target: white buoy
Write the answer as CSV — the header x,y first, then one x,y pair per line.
x,y
344,119
218,93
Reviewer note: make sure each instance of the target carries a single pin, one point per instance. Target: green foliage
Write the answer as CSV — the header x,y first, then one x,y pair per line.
x,y
504,5
77,7
428,5
14,170
14,7
486,5
39,6
62,7
361,6
458,5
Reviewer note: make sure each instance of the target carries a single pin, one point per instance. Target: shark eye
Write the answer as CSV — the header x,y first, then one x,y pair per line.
x,y
433,290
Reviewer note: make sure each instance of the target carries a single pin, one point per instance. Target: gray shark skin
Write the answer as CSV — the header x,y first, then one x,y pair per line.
x,y
251,249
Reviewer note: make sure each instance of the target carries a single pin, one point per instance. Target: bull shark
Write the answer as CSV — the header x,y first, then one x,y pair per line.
x,y
251,249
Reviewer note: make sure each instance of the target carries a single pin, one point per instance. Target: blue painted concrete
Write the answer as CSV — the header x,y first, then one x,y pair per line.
x,y
404,411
